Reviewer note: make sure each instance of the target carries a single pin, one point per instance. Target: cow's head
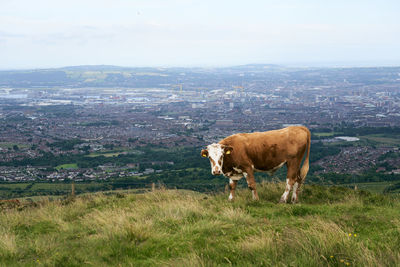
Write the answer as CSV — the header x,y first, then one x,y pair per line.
x,y
216,153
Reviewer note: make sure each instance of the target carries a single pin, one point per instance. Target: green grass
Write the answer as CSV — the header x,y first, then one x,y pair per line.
x,y
107,155
185,228
375,187
29,190
70,166
387,140
11,145
325,134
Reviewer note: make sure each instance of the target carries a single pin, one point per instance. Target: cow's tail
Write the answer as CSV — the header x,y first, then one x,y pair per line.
x,y
306,163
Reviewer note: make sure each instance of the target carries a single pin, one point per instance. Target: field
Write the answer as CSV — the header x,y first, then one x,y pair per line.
x,y
18,190
383,139
376,187
4,145
326,134
332,226
70,166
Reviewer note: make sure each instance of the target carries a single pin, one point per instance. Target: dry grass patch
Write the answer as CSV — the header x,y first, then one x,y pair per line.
x,y
183,228
8,245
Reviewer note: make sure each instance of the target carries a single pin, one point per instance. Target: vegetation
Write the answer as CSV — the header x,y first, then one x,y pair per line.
x,y
67,166
190,171
332,226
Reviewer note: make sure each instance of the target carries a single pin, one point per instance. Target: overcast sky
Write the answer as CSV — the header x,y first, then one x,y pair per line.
x,y
55,33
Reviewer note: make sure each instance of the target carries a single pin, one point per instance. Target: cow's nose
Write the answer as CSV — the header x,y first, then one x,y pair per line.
x,y
216,171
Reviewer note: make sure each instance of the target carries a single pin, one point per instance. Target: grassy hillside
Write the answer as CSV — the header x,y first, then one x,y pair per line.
x,y
331,227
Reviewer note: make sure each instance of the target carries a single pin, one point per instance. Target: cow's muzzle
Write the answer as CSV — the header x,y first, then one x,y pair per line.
x,y
216,171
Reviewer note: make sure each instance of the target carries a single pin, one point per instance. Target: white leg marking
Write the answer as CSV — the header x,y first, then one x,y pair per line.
x,y
286,193
230,196
294,194
254,194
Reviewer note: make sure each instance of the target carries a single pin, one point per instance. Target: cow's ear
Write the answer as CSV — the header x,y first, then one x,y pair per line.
x,y
204,153
228,150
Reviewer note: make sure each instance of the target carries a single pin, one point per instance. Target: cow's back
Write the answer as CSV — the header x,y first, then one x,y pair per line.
x,y
267,150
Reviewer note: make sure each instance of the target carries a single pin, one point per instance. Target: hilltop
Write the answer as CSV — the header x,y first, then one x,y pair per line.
x,y
87,76
333,226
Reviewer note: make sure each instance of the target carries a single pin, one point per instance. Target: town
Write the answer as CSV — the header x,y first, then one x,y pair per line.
x,y
122,111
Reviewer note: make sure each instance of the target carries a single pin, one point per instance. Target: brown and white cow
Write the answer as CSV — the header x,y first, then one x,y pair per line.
x,y
243,154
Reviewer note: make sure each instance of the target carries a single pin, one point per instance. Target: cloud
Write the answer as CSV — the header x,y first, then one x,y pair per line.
x,y
191,31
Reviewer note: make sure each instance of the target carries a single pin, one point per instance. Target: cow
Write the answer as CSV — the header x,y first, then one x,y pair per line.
x,y
243,154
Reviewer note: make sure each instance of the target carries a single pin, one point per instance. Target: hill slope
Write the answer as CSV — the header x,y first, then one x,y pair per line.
x,y
176,227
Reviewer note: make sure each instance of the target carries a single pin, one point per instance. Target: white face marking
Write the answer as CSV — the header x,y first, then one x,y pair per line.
x,y
216,155
230,181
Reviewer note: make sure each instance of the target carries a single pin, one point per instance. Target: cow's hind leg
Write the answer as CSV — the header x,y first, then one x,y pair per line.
x,y
292,173
284,197
296,190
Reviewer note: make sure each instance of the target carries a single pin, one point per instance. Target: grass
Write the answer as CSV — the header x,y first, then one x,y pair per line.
x,y
185,228
374,187
383,139
326,134
107,155
5,145
29,190
68,166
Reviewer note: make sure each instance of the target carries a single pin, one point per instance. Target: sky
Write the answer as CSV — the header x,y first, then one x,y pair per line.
x,y
206,33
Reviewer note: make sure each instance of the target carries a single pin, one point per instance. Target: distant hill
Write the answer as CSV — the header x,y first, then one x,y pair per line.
x,y
148,77
332,226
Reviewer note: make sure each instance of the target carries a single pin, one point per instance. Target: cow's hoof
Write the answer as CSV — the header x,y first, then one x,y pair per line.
x,y
282,201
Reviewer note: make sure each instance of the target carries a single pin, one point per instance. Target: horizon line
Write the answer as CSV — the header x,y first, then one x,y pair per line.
x,y
326,64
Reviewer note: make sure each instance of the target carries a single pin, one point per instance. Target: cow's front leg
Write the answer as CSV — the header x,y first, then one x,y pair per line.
x,y
251,183
232,187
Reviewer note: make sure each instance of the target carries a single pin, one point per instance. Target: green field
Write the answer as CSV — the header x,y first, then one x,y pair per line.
x,y
70,166
332,226
326,134
11,145
377,187
107,155
380,139
383,139
21,190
